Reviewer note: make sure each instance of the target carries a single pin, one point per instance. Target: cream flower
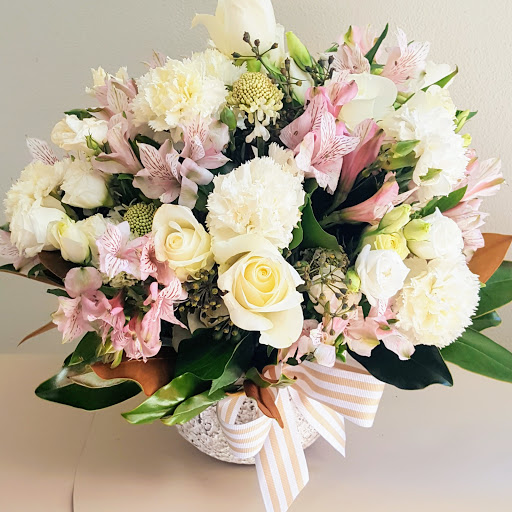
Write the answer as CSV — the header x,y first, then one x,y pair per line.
x,y
388,241
382,273
286,159
178,93
216,64
84,186
94,228
437,301
261,289
70,133
375,98
260,197
429,118
37,181
72,242
181,241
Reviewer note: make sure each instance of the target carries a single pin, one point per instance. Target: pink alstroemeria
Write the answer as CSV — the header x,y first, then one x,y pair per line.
x,y
320,155
41,151
122,159
364,39
10,254
406,61
113,321
150,266
165,178
115,96
374,208
370,141
117,253
483,178
76,315
351,59
470,219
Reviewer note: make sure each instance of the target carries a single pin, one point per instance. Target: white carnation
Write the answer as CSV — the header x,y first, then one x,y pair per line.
x,y
37,181
178,93
429,118
437,301
216,64
259,197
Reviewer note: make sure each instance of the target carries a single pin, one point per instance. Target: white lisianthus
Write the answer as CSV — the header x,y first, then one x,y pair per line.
x,y
178,93
29,225
375,98
429,118
218,65
84,186
382,273
443,240
235,17
70,133
37,181
181,241
261,289
437,302
94,228
242,202
66,236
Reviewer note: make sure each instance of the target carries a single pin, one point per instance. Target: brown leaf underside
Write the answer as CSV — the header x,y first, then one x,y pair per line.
x,y
45,328
265,400
486,260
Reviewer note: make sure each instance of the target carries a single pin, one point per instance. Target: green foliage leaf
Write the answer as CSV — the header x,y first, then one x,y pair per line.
x,y
57,292
425,367
486,321
236,366
71,386
313,234
86,351
444,81
443,203
81,113
497,291
255,376
375,48
192,407
204,357
479,354
165,400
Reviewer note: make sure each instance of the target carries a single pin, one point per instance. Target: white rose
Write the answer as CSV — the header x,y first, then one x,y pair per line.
x,y
444,239
375,98
72,242
29,225
382,273
70,133
181,241
84,186
233,18
261,289
94,227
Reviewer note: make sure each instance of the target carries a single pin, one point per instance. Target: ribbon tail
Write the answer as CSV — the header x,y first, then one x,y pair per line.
x,y
281,463
327,422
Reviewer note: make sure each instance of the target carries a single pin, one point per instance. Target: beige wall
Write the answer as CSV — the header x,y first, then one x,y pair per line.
x,y
47,48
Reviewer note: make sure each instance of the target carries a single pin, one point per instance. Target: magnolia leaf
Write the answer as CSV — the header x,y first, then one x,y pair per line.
x,y
9,269
313,234
497,291
265,382
86,351
486,321
265,400
478,354
193,406
63,388
55,263
150,375
425,367
238,363
45,328
486,260
166,399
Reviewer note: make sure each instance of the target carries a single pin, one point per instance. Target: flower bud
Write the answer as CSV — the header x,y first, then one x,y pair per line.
x,y
228,118
417,230
391,242
395,219
298,52
72,242
352,280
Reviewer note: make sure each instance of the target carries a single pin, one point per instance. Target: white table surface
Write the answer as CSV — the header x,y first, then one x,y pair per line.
x,y
442,450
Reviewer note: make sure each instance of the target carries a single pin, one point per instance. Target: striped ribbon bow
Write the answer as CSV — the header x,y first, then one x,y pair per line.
x,y
324,396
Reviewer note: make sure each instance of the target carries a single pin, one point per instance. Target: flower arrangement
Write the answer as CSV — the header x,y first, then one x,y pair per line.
x,y
244,221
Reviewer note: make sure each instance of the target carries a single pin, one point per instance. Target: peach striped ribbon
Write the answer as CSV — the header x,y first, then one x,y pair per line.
x,y
324,396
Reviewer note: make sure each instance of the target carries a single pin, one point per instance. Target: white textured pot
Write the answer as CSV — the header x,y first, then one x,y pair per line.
x,y
205,433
